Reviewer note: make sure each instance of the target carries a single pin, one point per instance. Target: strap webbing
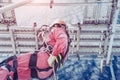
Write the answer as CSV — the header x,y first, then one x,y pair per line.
x,y
46,69
34,68
32,65
4,62
15,65
9,67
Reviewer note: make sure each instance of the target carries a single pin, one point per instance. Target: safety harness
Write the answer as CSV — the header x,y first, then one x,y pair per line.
x,y
34,68
33,63
9,67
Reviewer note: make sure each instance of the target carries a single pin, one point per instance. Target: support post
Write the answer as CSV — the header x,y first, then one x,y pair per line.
x,y
112,72
115,17
13,41
36,39
78,39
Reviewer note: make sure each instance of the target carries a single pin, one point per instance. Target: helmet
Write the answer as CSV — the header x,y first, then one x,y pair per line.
x,y
61,22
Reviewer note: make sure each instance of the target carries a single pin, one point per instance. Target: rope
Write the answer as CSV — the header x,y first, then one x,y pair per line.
x,y
55,77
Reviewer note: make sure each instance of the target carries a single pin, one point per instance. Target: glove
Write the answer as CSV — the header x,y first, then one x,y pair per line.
x,y
51,60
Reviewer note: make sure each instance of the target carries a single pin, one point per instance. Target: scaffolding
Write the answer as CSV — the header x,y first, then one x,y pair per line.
x,y
94,35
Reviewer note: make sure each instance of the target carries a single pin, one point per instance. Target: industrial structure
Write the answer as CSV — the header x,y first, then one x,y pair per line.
x,y
95,32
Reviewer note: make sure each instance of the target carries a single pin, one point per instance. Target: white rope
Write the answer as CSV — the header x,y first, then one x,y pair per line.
x,y
55,77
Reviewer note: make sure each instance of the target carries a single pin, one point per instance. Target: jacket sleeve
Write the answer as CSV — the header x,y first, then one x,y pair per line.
x,y
61,44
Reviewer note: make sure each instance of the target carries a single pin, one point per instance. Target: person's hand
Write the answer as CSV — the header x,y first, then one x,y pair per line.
x,y
51,60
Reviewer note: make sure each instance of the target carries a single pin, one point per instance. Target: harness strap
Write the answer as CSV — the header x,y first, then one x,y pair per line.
x,y
34,68
4,62
46,69
9,67
46,77
15,65
32,65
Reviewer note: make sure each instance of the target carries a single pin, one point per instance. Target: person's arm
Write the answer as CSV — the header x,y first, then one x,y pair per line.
x,y
60,45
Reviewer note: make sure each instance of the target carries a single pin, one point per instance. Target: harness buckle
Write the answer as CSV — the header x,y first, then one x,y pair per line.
x,y
49,48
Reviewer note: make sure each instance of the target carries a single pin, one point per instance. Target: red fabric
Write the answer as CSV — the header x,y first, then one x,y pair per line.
x,y
23,62
23,73
42,60
23,65
45,74
59,40
3,74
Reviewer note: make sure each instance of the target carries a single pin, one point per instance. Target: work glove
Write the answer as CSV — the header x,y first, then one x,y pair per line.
x,y
51,60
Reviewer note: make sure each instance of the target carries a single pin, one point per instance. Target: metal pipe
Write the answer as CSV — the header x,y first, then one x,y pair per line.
x,y
113,33
5,3
112,72
68,4
14,5
60,4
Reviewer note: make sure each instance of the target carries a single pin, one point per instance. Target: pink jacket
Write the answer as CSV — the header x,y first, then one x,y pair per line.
x,y
59,40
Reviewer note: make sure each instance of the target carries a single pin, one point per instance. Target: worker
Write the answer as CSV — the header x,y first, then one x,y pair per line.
x,y
40,63
58,39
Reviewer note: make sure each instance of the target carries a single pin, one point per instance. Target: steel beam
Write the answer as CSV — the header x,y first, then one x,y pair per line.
x,y
60,4
4,3
68,4
14,5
